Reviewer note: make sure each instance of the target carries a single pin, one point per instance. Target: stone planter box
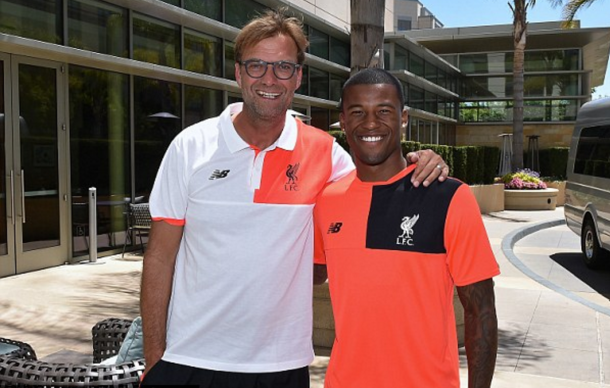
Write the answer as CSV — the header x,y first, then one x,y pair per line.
x,y
561,190
545,199
324,324
489,197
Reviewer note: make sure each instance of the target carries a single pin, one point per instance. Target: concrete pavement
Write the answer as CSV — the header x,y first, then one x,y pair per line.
x,y
554,314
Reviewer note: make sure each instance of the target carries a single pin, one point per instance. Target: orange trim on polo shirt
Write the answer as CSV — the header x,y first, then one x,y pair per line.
x,y
171,221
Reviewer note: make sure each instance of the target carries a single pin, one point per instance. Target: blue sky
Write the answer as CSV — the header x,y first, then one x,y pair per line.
x,y
463,13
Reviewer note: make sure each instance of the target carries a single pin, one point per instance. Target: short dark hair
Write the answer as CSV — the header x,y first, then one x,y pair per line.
x,y
373,76
271,24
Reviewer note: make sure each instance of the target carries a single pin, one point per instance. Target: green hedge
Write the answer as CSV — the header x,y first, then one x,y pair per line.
x,y
459,167
554,162
409,146
491,161
470,164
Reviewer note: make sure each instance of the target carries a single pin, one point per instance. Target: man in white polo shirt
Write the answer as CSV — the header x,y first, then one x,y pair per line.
x,y
227,278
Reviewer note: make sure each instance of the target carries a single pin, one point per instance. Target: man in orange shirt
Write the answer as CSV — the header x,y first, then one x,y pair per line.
x,y
394,255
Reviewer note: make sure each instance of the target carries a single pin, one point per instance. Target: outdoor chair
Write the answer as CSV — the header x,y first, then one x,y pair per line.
x,y
139,223
108,335
17,349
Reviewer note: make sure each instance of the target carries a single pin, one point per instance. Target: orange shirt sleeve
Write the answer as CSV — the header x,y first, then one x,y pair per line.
x,y
470,258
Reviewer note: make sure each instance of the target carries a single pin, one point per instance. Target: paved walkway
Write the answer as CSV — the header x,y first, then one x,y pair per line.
x,y
554,314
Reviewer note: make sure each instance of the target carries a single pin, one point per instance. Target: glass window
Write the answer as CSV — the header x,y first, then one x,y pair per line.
x,y
202,53
486,111
318,43
551,60
304,88
172,2
336,84
209,8
339,52
431,104
153,134
442,79
416,97
431,72
34,19
404,24
551,85
97,27
550,110
229,60
156,42
489,87
99,152
486,63
239,12
319,83
416,65
401,58
593,152
201,104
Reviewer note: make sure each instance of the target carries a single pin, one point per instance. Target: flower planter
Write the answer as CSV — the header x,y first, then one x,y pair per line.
x,y
489,197
561,186
543,199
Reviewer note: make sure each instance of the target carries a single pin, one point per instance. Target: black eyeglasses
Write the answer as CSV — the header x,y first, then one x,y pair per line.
x,y
257,68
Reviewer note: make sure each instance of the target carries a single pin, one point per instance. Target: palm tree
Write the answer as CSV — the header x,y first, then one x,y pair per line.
x,y
366,31
570,8
519,8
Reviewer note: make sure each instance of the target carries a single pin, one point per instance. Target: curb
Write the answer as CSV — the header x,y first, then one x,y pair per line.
x,y
512,238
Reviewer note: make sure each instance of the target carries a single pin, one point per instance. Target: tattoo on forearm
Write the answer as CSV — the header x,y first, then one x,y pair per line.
x,y
481,336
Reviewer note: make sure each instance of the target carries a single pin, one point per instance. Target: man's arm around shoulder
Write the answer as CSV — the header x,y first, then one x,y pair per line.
x,y
481,332
156,289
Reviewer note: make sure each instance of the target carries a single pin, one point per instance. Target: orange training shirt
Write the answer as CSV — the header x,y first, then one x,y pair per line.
x,y
394,254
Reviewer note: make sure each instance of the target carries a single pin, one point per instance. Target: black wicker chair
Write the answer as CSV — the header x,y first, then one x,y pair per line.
x,y
23,350
107,338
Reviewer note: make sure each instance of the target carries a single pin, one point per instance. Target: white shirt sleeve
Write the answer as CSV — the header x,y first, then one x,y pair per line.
x,y
168,199
341,161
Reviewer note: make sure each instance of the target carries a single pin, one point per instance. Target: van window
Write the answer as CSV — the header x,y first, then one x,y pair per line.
x,y
593,152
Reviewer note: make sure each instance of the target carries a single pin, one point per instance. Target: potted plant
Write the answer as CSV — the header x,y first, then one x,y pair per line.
x,y
524,190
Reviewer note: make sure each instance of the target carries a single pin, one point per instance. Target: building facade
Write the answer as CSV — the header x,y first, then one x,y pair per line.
x,y
413,15
93,91
561,67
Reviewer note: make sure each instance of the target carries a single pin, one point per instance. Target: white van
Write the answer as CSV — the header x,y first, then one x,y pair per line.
x,y
587,207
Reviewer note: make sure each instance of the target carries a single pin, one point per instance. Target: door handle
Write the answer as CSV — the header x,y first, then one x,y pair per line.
x,y
12,193
22,197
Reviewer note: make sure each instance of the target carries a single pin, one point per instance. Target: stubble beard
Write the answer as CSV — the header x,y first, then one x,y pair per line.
x,y
264,111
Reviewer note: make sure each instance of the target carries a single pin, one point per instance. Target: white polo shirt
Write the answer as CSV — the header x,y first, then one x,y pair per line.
x,y
241,298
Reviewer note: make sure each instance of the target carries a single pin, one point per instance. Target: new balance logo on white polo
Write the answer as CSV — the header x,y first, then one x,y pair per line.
x,y
219,174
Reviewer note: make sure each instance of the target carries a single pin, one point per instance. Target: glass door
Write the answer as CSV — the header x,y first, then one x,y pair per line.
x,y
7,250
34,144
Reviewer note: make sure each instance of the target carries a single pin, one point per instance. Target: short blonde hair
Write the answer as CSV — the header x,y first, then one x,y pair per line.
x,y
270,24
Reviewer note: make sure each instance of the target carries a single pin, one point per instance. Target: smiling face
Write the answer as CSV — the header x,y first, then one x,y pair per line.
x,y
269,97
371,117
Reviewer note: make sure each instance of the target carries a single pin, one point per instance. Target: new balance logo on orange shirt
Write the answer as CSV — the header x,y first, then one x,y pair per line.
x,y
335,227
219,174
